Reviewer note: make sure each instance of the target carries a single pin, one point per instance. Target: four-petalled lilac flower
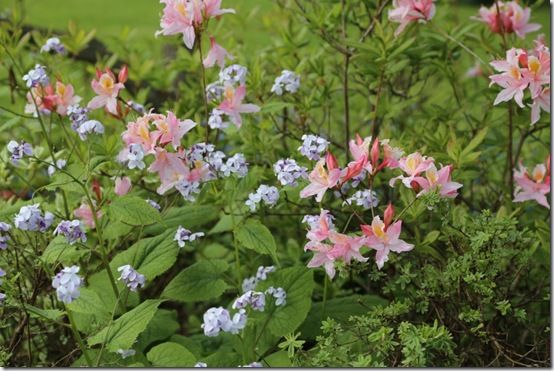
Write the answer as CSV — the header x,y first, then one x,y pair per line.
x,y
288,171
131,277
313,146
288,81
53,44
183,235
18,150
4,237
72,230
268,194
36,76
30,218
67,283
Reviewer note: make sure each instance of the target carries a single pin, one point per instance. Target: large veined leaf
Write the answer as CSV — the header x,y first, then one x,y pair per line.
x,y
89,302
133,210
298,283
170,355
161,328
253,235
58,250
123,332
149,256
190,217
201,281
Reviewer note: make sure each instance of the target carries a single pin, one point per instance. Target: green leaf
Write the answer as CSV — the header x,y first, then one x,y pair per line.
x,y
298,283
125,330
133,210
255,236
90,303
161,328
199,282
50,314
477,139
272,107
150,256
58,250
190,217
171,355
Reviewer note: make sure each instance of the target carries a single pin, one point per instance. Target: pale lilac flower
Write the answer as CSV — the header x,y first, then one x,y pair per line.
x,y
188,189
253,298
215,121
67,283
253,364
134,156
78,115
4,237
53,44
214,91
30,218
72,230
60,164
90,127
234,74
235,165
200,364
215,160
36,76
125,353
137,107
313,221
199,152
365,198
183,235
288,171
131,277
279,294
249,284
214,321
288,81
261,274
154,204
237,323
268,194
2,298
19,151
313,146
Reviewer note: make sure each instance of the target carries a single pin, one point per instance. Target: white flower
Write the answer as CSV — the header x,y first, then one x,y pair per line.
x,y
126,352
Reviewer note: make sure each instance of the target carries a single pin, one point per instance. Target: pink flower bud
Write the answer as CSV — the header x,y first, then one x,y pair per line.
x,y
389,214
122,185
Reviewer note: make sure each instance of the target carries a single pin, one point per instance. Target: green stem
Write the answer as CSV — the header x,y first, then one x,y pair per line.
x,y
78,337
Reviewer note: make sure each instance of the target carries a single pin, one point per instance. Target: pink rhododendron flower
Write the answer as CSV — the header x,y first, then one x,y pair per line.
x,y
65,97
533,186
412,165
384,238
511,78
138,132
170,129
170,167
359,149
540,102
321,180
49,99
339,246
232,104
107,89
408,11
84,213
122,185
511,18
440,180
217,54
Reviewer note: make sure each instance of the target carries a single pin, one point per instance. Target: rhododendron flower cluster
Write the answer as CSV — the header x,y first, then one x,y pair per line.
x,y
523,70
107,88
47,99
507,18
67,284
533,185
410,11
188,17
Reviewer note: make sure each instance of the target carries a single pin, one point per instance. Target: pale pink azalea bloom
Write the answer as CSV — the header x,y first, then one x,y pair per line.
x,y
511,19
321,232
346,247
138,132
511,79
84,213
322,257
384,239
537,69
170,168
533,186
232,104
170,129
540,102
321,179
359,149
212,8
440,180
413,165
217,54
122,185
107,90
178,18
65,97
409,11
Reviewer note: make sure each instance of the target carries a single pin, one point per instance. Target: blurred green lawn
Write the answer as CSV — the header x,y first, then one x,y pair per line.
x,y
111,17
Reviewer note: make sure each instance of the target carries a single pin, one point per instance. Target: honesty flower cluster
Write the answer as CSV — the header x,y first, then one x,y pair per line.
x,y
53,44
249,284
507,18
19,150
313,146
67,284
31,218
36,76
183,235
268,194
131,277
288,171
533,185
411,11
288,81
4,236
72,230
524,70
219,319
